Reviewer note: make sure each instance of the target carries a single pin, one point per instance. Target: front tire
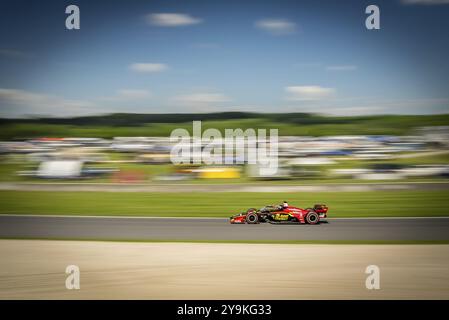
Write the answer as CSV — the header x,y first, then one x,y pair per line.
x,y
312,217
252,218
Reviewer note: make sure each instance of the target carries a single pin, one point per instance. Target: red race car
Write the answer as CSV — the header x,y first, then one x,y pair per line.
x,y
282,214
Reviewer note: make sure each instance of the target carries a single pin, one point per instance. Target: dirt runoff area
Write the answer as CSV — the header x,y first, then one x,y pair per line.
x,y
36,269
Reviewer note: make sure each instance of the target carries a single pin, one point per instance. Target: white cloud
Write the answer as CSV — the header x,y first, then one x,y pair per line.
x,y
171,19
425,2
16,102
307,93
341,68
148,67
276,26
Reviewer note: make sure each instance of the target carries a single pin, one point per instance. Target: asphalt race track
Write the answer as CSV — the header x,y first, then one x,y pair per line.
x,y
130,228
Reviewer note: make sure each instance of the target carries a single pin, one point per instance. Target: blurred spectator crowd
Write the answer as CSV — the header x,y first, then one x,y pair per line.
x,y
300,157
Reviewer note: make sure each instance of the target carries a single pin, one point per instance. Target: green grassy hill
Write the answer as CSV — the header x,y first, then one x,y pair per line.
x,y
108,126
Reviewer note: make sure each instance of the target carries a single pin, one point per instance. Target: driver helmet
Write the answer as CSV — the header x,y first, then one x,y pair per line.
x,y
285,204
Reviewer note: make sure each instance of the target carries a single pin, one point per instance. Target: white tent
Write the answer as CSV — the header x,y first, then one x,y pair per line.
x,y
60,169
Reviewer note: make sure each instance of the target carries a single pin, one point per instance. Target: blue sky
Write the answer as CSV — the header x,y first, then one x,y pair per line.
x,y
211,56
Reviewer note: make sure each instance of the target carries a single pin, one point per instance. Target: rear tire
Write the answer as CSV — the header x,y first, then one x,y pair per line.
x,y
312,217
252,218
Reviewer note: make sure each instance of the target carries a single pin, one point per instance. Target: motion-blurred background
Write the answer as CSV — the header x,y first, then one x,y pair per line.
x,y
133,148
362,114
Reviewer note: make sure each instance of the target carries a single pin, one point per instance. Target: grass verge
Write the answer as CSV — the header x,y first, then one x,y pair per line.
x,y
342,204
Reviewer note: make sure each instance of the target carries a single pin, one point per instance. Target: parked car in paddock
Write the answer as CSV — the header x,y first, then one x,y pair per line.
x,y
282,214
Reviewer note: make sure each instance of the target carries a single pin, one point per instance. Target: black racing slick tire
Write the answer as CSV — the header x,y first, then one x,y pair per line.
x,y
252,218
312,217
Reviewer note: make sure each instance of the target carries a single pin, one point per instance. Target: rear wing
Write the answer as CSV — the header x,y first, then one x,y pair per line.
x,y
320,208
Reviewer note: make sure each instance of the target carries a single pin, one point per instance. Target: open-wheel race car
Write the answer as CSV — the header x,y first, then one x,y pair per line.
x,y
282,214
